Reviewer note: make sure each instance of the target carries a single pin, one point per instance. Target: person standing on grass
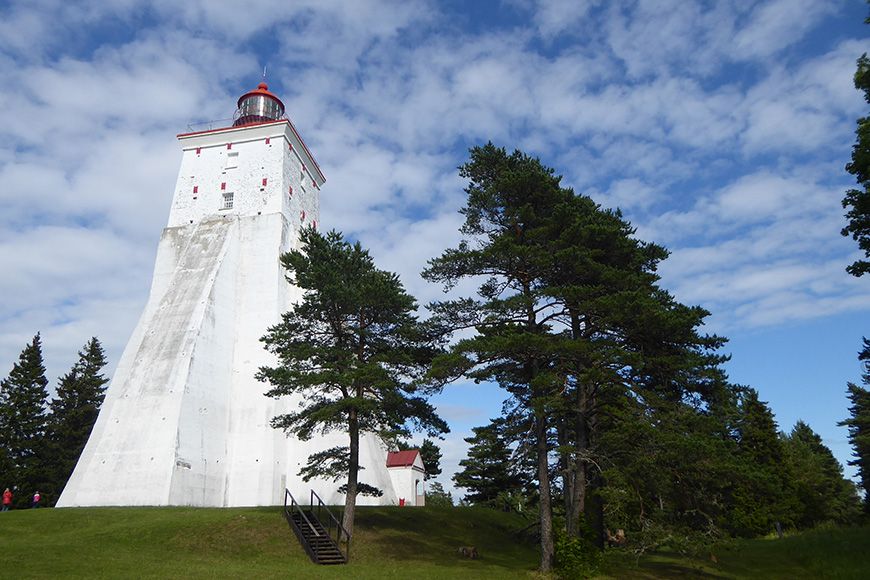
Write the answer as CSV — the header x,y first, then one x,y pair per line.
x,y
36,498
7,499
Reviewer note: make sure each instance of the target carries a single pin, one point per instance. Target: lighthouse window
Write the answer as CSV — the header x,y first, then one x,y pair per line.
x,y
228,201
232,160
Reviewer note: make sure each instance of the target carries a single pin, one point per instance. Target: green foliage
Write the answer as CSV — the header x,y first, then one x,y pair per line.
x,y
576,557
352,350
570,322
762,493
74,411
857,201
430,454
437,497
511,204
488,472
823,495
363,489
667,477
331,463
23,422
858,424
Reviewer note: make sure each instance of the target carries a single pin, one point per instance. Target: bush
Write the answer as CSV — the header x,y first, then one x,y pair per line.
x,y
575,557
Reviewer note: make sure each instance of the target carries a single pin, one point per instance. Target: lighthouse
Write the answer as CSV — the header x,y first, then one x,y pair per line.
x,y
184,421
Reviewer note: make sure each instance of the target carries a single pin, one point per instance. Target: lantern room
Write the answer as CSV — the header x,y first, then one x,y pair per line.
x,y
258,106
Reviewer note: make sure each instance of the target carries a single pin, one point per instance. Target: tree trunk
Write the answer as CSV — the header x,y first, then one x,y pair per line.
x,y
595,511
575,494
546,502
352,474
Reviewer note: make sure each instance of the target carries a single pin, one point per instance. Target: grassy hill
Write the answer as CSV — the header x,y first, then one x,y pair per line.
x,y
388,543
254,543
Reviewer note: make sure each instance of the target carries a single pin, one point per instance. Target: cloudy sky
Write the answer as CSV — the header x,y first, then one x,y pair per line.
x,y
720,128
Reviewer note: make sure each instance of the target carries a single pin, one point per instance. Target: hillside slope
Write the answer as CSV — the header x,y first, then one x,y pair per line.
x,y
255,543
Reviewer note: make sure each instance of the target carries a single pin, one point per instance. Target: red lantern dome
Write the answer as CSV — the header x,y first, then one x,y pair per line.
x,y
258,106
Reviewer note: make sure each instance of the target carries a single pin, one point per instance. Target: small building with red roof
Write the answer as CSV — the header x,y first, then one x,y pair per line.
x,y
407,473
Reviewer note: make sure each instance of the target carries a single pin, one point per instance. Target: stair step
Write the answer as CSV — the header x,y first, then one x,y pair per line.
x,y
314,536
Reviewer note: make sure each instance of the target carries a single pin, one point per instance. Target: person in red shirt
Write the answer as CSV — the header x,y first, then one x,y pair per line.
x,y
36,498
7,500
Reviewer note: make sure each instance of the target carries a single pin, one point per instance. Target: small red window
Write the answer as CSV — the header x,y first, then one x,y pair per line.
x,y
264,181
198,150
302,215
290,190
314,224
223,185
229,145
268,140
195,189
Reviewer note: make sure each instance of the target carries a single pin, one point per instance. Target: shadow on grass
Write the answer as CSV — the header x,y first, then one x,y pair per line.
x,y
433,536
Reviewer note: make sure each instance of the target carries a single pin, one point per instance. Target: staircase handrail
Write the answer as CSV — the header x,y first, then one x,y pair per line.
x,y
340,533
295,507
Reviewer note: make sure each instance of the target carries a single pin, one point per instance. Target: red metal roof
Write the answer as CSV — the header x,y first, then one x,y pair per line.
x,y
262,89
402,458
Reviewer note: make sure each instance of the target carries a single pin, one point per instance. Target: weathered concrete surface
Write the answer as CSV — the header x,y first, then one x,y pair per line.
x,y
184,421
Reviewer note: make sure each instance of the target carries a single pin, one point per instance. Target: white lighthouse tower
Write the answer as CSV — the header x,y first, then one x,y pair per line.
x,y
184,421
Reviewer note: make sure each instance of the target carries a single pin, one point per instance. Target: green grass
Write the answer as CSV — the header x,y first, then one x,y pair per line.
x,y
254,543
835,553
388,543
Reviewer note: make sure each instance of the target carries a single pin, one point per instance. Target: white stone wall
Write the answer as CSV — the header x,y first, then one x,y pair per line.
x,y
184,421
407,481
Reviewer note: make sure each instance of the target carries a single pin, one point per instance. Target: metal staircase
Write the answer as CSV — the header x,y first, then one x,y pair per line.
x,y
321,543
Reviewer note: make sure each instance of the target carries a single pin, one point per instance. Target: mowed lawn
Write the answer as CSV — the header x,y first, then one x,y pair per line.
x,y
388,543
255,543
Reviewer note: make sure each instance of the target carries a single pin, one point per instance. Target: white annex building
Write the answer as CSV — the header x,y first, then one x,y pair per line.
x,y
408,475
184,421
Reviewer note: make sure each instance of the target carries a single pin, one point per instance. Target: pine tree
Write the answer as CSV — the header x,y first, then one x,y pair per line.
x,y
353,348
23,421
857,201
511,199
859,425
74,411
569,321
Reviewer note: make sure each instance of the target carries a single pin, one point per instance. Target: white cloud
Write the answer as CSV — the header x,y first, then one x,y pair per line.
x,y
775,25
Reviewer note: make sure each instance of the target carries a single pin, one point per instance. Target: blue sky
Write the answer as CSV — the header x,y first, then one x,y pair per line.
x,y
720,128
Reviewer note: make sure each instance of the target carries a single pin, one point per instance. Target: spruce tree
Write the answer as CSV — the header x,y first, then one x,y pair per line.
x,y
822,493
437,497
487,472
23,422
353,349
859,425
762,494
430,454
80,394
